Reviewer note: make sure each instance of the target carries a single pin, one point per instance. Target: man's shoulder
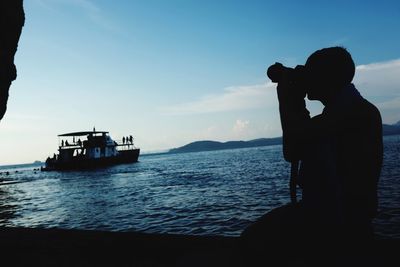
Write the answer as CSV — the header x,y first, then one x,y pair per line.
x,y
367,110
364,117
361,115
368,105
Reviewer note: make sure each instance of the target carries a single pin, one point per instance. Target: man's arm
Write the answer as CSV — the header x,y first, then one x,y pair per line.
x,y
295,119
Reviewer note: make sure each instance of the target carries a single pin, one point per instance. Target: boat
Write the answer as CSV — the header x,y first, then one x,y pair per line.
x,y
97,149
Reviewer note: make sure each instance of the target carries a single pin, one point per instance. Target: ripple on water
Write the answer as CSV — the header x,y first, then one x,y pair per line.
x,y
206,193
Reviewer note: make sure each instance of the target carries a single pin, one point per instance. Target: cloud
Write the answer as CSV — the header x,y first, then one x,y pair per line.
x,y
340,41
92,11
86,5
232,98
89,9
380,65
240,126
390,104
379,79
378,82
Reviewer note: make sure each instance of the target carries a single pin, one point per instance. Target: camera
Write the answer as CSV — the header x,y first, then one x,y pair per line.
x,y
278,72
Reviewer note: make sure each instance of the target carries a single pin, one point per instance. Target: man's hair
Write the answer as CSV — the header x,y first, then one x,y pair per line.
x,y
333,65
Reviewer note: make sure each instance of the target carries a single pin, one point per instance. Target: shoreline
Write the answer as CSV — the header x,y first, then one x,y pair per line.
x,y
69,247
62,247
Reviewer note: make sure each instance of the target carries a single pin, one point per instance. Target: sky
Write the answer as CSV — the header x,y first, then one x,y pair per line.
x,y
172,72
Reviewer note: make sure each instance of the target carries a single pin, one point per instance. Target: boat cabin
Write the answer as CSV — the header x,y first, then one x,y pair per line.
x,y
98,144
89,149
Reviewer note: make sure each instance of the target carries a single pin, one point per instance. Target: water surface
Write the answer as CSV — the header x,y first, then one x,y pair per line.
x,y
205,193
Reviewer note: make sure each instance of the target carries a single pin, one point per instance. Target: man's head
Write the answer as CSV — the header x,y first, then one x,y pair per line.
x,y
328,70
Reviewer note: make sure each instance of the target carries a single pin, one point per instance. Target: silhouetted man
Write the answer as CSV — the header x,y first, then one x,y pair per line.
x,y
11,21
340,153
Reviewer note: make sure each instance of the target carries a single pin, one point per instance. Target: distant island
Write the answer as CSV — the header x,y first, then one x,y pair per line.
x,y
391,129
387,129
214,145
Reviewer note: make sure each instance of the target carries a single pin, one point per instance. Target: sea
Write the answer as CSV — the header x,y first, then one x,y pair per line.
x,y
200,193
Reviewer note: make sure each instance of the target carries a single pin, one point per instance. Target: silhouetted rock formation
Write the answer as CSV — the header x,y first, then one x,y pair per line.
x,y
12,19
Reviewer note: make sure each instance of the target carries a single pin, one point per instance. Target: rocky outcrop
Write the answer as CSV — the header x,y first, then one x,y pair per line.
x,y
12,19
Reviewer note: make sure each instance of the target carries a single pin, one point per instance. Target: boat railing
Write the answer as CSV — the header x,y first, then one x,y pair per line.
x,y
120,145
70,146
125,146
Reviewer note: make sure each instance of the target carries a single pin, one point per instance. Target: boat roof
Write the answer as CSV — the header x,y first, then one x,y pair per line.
x,y
83,133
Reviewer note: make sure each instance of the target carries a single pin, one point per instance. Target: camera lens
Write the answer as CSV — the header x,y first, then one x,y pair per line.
x,y
274,72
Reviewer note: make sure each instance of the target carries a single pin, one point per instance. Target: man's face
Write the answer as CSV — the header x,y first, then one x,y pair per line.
x,y
313,92
316,84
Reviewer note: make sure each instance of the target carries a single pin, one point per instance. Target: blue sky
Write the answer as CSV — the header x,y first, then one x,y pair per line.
x,y
172,72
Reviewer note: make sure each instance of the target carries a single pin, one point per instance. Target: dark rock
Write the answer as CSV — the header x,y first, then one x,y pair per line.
x,y
12,19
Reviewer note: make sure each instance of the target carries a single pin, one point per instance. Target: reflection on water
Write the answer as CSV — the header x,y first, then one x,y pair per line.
x,y
387,223
8,203
7,211
207,193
